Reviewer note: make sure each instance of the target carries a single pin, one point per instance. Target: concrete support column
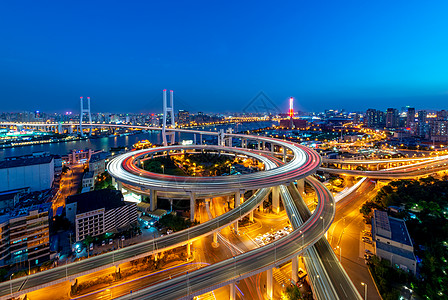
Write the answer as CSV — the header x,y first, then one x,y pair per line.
x,y
237,198
269,287
276,199
294,268
251,216
284,154
272,148
232,292
152,200
215,239
200,139
188,249
264,145
192,206
194,139
119,186
237,203
301,186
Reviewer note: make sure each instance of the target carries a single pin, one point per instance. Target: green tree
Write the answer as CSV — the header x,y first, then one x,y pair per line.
x,y
292,292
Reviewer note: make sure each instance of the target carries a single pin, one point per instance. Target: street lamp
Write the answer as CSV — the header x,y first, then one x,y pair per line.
x,y
323,229
163,169
365,290
10,283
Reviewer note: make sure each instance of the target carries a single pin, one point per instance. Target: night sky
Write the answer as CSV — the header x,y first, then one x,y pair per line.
x,y
218,55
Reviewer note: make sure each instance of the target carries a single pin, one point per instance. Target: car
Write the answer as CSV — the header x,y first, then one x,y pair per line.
x,y
111,241
91,246
368,251
122,238
103,243
367,257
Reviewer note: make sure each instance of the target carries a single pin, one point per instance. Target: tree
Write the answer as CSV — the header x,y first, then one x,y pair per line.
x,y
293,293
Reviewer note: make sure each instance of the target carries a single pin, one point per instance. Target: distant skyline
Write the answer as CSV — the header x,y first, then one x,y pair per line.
x,y
217,56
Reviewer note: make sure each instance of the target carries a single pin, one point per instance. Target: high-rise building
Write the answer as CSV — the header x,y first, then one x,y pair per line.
x,y
25,234
410,121
422,124
374,118
183,117
442,115
392,118
438,129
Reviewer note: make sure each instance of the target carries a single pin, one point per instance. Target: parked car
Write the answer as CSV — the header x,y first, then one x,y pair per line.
x,y
103,243
111,241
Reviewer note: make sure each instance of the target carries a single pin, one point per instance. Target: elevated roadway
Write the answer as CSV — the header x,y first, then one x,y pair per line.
x,y
306,164
423,168
251,262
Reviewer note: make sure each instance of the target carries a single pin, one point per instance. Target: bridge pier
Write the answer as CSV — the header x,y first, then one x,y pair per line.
x,y
215,243
251,216
301,186
237,203
232,291
152,200
284,154
188,249
275,199
269,287
119,186
294,268
192,206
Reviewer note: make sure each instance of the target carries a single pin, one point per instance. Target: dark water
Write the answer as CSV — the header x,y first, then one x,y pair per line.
x,y
106,143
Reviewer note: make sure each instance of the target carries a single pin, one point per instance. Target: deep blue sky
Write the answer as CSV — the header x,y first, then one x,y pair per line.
x,y
217,55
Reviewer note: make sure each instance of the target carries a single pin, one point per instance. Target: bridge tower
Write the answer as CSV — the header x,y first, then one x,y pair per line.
x,y
87,111
172,124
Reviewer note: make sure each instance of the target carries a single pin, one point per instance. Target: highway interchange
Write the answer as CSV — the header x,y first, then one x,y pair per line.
x,y
307,235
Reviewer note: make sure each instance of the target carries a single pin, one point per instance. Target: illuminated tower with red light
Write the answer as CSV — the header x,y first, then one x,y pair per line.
x,y
291,112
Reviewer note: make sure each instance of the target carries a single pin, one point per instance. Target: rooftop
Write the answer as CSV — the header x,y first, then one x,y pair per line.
x,y
107,199
391,228
99,156
88,175
25,161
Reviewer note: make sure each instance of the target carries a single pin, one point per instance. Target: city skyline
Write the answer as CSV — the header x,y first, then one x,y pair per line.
x,y
354,56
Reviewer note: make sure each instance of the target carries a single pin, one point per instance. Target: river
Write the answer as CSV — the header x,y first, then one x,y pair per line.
x,y
106,143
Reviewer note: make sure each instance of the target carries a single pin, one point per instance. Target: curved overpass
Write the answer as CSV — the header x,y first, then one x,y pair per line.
x,y
304,163
423,168
283,249
251,262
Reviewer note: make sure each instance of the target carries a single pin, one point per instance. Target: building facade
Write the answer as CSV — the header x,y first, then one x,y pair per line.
x,y
97,212
392,241
25,235
36,173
